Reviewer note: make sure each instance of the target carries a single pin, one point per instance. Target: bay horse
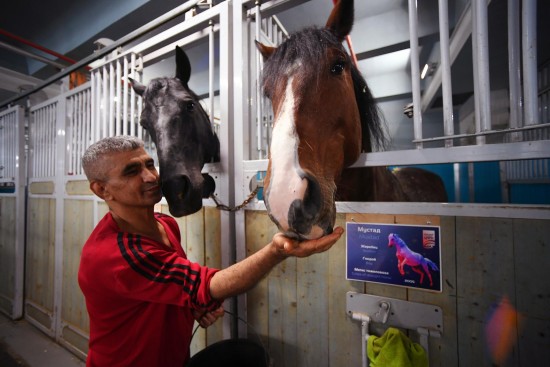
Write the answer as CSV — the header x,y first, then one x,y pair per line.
x,y
405,256
324,117
183,136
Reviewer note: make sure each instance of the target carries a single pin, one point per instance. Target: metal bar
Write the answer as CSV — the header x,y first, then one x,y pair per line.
x,y
481,60
415,72
118,99
484,133
106,50
26,53
110,100
103,102
529,44
125,98
211,65
448,119
133,97
514,67
259,130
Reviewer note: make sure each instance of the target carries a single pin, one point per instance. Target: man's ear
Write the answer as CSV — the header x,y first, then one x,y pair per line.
x,y
99,188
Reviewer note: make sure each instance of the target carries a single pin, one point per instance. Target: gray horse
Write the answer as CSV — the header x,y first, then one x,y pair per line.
x,y
183,136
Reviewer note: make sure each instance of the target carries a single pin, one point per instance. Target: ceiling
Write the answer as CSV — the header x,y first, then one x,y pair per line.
x,y
70,27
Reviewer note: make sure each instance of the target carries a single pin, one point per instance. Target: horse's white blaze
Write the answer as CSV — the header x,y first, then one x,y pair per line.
x,y
286,185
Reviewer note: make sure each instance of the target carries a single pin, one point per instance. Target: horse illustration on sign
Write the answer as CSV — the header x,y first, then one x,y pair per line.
x,y
405,256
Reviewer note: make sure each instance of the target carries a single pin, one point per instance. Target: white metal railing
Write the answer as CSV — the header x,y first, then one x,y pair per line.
x,y
473,21
8,145
42,139
78,128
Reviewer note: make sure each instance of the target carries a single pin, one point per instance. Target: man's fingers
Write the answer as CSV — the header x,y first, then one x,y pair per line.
x,y
309,247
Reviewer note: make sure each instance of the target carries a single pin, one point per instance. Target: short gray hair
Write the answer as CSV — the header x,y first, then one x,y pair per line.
x,y
91,160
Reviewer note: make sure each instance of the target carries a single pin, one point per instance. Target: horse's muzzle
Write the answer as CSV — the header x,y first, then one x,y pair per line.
x,y
183,197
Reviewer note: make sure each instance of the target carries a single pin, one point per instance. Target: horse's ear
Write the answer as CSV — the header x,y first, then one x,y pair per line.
x,y
266,51
137,86
183,66
340,20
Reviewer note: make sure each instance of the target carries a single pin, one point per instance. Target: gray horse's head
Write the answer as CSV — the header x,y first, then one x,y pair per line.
x,y
183,136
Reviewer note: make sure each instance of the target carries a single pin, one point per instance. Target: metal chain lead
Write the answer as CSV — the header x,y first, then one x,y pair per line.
x,y
224,207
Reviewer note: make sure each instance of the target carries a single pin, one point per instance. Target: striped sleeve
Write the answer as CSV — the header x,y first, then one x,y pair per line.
x,y
151,273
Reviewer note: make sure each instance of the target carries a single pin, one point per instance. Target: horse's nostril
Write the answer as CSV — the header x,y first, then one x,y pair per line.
x,y
208,185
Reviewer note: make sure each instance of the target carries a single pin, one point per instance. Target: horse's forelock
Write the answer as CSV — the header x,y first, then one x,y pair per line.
x,y
308,47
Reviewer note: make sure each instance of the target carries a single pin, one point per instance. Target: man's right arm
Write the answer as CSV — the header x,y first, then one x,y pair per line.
x,y
245,274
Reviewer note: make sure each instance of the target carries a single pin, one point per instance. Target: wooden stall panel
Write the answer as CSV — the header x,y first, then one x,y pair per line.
x,y
532,270
259,231
201,241
8,242
39,275
299,308
485,274
78,224
443,351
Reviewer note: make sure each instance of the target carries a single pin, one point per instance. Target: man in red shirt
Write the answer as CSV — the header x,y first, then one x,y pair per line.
x,y
142,293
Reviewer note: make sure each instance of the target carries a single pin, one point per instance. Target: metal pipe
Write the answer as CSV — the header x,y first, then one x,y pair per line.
x,y
477,119
26,53
488,132
514,69
481,60
529,34
37,46
125,97
448,119
258,84
110,99
133,98
415,72
211,72
106,50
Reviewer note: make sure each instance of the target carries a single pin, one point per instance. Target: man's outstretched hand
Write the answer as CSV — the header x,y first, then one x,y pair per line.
x,y
291,247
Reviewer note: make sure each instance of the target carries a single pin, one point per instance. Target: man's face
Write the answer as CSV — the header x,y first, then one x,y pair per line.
x,y
132,180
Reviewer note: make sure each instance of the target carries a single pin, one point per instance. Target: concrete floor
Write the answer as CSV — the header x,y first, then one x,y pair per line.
x,y
23,345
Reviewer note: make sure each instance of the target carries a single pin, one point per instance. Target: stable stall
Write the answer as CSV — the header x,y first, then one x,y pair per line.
x,y
491,255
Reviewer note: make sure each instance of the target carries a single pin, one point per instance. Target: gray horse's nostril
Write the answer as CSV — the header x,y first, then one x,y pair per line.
x,y
208,185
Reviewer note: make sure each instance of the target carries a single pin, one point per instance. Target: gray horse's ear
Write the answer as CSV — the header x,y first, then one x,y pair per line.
x,y
266,51
340,21
137,86
183,66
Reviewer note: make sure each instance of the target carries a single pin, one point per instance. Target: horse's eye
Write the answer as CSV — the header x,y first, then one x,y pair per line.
x,y
337,68
190,106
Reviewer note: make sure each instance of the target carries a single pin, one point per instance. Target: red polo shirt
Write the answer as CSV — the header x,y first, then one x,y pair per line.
x,y
139,295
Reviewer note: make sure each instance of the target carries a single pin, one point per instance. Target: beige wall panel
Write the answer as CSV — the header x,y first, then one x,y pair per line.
x,y
443,351
312,313
81,187
259,231
45,188
485,273
345,334
102,209
213,259
532,267
194,238
39,274
282,304
8,241
78,224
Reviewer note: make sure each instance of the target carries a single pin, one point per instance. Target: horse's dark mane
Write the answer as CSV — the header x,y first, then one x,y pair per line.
x,y
309,46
